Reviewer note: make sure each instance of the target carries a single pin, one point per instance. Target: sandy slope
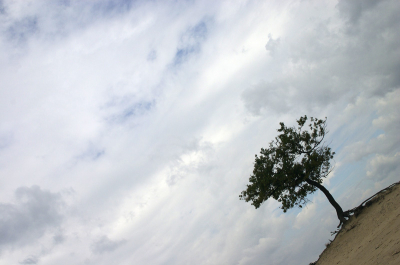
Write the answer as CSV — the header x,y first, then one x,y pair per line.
x,y
373,237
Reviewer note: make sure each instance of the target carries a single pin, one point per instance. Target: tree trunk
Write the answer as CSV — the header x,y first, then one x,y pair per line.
x,y
339,210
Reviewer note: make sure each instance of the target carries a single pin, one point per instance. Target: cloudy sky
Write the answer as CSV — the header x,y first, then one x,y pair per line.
x,y
128,129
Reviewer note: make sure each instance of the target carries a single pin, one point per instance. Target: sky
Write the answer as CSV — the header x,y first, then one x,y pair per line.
x,y
128,129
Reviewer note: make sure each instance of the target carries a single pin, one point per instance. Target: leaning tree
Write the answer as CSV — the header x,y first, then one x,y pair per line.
x,y
292,167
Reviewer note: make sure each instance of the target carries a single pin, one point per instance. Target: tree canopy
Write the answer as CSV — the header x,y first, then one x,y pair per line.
x,y
292,167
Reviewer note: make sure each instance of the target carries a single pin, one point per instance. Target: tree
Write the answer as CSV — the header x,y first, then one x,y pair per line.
x,y
292,167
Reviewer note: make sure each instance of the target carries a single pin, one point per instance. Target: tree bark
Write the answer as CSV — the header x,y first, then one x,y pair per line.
x,y
337,207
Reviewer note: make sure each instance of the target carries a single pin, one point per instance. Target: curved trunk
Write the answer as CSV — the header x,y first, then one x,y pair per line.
x,y
337,207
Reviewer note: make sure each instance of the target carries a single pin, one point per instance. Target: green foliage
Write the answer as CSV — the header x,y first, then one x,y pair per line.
x,y
282,170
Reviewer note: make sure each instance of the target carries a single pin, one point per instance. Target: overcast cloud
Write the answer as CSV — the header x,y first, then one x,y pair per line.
x,y
128,129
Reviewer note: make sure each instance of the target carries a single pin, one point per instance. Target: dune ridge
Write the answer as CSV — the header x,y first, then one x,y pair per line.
x,y
371,236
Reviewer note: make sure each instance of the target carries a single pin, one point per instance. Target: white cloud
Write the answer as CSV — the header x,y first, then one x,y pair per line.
x,y
305,216
30,260
384,166
104,244
385,123
34,213
263,245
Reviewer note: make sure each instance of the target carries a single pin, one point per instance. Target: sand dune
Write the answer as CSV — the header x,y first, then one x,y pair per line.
x,y
372,237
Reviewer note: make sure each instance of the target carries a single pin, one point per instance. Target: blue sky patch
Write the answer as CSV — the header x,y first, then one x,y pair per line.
x,y
138,109
191,42
92,153
112,7
21,30
124,109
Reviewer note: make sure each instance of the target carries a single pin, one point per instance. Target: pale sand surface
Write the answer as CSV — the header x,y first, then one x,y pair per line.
x,y
373,237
